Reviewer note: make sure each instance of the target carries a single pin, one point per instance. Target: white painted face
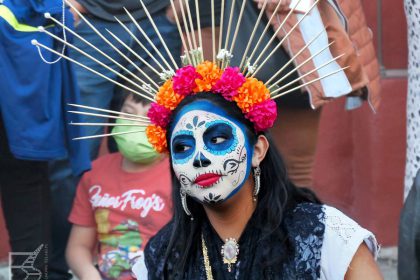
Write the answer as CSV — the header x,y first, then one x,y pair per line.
x,y
210,153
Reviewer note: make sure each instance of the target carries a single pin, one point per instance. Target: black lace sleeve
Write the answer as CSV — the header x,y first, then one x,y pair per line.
x,y
306,228
155,252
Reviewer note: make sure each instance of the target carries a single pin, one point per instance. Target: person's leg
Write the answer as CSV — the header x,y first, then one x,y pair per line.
x,y
25,199
295,134
63,189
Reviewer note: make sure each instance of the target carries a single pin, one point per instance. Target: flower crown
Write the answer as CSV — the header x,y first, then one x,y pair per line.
x,y
250,95
235,84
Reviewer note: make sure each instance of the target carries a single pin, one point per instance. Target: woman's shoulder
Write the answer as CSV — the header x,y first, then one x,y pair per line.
x,y
342,238
340,228
335,226
327,238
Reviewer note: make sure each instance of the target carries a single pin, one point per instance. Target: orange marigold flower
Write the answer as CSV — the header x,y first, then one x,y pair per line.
x,y
250,93
167,97
210,74
157,137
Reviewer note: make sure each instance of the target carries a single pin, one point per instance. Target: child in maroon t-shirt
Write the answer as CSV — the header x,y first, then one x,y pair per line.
x,y
120,204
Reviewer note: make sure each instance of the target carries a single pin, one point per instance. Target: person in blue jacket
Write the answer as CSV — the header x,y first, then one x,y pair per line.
x,y
33,129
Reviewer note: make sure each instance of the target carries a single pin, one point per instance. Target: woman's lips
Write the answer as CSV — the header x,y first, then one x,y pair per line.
x,y
207,180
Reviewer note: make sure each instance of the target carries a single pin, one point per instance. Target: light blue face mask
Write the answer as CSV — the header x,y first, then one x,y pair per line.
x,y
134,146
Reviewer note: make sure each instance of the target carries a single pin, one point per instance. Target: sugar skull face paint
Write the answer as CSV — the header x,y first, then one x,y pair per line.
x,y
210,153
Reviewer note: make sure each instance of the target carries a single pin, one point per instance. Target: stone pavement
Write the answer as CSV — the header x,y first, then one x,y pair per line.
x,y
387,262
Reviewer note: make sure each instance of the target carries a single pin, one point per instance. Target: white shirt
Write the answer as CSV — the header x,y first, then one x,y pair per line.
x,y
342,237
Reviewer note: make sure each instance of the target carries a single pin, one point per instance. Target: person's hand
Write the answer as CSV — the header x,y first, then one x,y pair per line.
x,y
80,8
272,4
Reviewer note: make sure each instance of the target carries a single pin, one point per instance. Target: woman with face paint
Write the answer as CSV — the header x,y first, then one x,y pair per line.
x,y
237,215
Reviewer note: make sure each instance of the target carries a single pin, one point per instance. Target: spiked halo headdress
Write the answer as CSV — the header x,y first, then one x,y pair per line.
x,y
238,84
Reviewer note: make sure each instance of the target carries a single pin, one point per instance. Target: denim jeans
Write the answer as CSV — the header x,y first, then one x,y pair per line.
x,y
98,92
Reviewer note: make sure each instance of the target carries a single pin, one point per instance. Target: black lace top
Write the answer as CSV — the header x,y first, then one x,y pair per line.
x,y
305,230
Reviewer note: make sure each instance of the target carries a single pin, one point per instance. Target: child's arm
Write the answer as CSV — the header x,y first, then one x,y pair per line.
x,y
79,256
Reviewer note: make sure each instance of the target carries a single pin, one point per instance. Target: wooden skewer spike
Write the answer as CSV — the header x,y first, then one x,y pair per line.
x,y
309,73
48,16
188,33
308,83
109,116
293,58
190,21
251,38
222,14
108,111
181,35
106,124
267,26
96,30
283,39
106,135
36,43
300,65
144,34
238,24
158,33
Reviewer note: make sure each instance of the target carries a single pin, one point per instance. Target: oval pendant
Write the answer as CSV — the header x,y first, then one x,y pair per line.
x,y
230,251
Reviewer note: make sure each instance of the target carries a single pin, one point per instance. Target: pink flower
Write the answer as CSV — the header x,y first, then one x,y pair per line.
x,y
184,80
229,83
159,115
263,115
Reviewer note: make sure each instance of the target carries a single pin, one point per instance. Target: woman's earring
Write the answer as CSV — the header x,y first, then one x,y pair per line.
x,y
184,203
257,178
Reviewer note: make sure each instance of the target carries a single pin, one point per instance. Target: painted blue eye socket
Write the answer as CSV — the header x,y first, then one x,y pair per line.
x,y
220,138
183,146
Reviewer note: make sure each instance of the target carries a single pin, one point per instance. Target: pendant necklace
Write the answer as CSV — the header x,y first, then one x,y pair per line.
x,y
230,251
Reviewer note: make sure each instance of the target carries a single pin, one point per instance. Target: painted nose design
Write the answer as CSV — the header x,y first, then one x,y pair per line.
x,y
201,161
